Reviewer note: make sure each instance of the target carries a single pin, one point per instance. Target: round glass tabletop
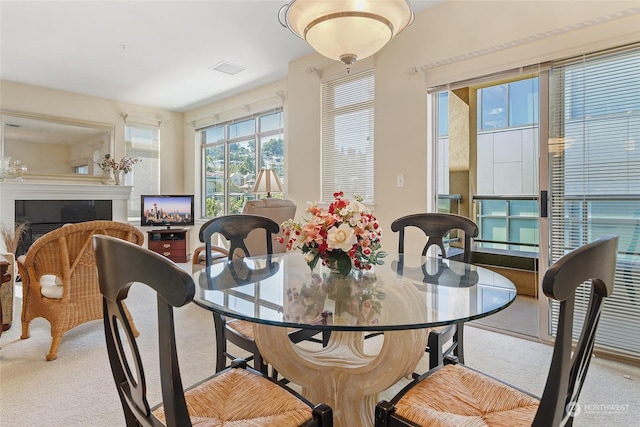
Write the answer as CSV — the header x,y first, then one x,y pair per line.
x,y
406,292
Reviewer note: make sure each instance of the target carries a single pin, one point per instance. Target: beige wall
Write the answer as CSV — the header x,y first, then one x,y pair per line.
x,y
490,35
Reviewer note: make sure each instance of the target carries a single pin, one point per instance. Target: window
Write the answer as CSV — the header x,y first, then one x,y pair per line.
x,y
443,114
81,170
142,142
233,153
447,203
507,169
508,105
505,203
594,173
347,136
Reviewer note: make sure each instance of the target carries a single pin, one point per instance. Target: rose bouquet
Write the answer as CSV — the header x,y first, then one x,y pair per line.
x,y
344,236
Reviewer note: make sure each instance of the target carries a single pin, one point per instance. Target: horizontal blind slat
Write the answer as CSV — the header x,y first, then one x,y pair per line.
x,y
347,136
594,170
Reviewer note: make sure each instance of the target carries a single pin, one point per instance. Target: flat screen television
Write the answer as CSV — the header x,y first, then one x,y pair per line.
x,y
166,210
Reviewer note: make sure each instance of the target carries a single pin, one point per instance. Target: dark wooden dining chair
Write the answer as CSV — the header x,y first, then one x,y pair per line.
x,y
235,395
454,394
445,342
236,228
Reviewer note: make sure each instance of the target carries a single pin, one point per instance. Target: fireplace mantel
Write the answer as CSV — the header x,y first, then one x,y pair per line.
x,y
25,190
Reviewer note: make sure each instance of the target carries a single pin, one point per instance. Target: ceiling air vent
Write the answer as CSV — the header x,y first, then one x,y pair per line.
x,y
227,68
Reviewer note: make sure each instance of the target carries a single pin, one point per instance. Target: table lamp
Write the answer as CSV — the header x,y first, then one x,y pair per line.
x,y
267,180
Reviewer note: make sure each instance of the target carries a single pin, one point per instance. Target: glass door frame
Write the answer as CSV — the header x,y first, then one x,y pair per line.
x,y
542,178
543,187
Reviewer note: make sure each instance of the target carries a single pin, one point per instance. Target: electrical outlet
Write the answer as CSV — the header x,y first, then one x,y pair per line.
x,y
400,181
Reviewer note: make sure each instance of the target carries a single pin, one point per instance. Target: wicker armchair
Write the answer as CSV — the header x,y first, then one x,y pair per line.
x,y
59,279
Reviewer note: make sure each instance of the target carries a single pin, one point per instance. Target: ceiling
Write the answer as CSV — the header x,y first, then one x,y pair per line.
x,y
153,53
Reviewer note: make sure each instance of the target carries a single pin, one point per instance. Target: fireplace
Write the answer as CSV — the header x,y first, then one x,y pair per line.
x,y
64,202
44,216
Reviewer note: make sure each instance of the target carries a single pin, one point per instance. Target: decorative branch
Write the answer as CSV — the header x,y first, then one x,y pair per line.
x,y
12,235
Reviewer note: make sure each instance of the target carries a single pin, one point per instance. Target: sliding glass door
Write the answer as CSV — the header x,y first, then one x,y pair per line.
x,y
488,170
544,163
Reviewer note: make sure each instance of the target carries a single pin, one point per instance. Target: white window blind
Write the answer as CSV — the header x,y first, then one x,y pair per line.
x,y
142,142
594,163
347,136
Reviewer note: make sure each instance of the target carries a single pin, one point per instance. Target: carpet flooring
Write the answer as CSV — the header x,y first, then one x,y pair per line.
x,y
520,318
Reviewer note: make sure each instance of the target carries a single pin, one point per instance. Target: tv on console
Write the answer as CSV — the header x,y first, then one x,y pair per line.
x,y
166,210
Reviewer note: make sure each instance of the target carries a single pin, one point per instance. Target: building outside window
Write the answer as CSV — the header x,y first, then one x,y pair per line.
x,y
233,153
143,142
507,146
347,136
507,151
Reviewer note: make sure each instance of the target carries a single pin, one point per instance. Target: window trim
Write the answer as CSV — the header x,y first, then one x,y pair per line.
x,y
257,136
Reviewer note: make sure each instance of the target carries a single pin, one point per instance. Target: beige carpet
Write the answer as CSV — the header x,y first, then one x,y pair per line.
x,y
521,317
77,389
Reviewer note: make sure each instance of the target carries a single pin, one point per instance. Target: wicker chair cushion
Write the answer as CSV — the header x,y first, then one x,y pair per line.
x,y
239,398
458,396
51,286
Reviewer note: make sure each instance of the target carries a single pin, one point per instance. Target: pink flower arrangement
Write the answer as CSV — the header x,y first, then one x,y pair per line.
x,y
345,236
125,164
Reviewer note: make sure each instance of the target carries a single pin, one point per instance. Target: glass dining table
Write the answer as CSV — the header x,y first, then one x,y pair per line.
x,y
401,298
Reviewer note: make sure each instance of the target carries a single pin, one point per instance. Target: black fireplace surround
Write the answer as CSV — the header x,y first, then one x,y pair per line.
x,y
47,215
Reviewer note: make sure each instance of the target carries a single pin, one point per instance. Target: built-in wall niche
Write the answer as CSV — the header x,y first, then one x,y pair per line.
x,y
52,146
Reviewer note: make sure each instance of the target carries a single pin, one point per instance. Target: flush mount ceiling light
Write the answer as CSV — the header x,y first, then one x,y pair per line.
x,y
346,30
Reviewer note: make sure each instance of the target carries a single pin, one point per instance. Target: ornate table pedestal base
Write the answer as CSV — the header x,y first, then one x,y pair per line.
x,y
341,374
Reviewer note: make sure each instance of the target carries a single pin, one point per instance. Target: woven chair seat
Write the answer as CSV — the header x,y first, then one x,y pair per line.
x,y
246,328
238,397
458,396
242,327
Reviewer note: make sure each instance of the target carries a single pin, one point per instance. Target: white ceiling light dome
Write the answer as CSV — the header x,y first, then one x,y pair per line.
x,y
347,30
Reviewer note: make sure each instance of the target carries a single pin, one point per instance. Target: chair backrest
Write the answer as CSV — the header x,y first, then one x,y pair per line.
x,y
236,228
120,264
67,252
435,226
594,262
279,210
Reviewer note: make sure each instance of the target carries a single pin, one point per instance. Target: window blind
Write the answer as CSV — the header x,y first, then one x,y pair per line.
x,y
594,149
347,136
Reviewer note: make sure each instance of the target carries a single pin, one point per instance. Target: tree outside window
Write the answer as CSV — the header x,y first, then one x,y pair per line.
x,y
232,158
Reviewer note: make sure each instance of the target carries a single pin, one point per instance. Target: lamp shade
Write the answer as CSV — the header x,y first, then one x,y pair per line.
x,y
347,30
267,182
